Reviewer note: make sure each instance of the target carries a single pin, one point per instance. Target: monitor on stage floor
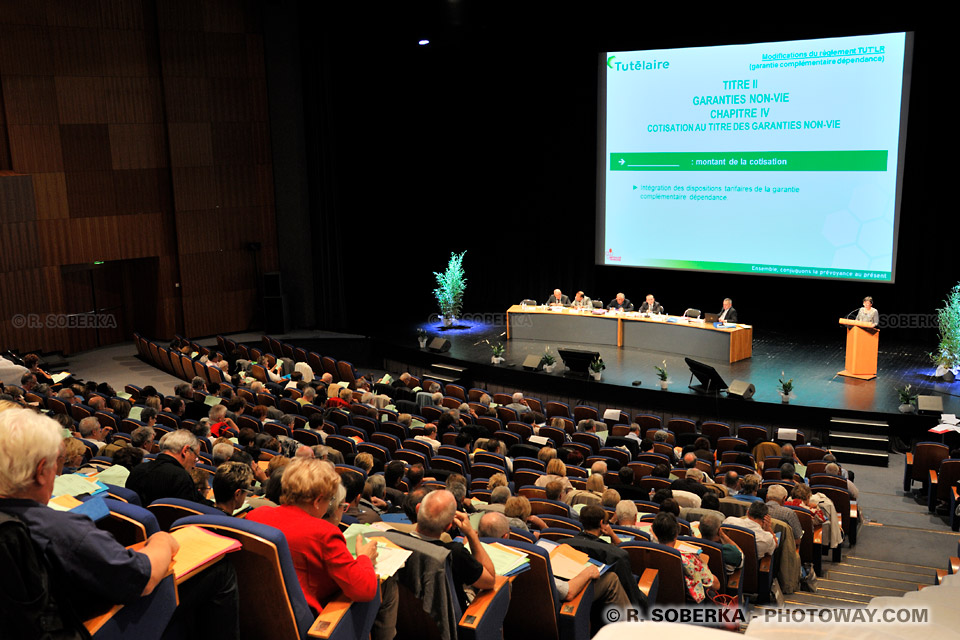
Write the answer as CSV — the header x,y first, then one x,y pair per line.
x,y
578,360
710,381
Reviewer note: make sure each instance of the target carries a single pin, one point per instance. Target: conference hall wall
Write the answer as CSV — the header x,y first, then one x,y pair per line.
x,y
132,133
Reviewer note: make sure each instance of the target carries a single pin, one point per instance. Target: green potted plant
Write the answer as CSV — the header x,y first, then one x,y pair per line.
x,y
785,388
548,361
597,367
663,375
451,284
422,337
908,398
947,355
497,351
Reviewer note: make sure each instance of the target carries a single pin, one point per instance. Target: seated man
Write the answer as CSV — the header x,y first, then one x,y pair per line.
x,y
88,568
169,475
776,496
710,530
558,298
581,301
757,520
651,305
231,484
620,303
728,313
436,513
625,514
518,404
607,589
592,518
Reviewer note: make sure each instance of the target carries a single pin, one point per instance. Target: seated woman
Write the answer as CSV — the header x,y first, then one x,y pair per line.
x,y
324,564
802,496
556,470
695,571
519,514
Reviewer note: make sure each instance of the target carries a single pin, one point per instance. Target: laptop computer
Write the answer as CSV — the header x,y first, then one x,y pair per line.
x,y
711,317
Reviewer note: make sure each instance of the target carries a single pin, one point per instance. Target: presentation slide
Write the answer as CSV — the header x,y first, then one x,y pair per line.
x,y
780,158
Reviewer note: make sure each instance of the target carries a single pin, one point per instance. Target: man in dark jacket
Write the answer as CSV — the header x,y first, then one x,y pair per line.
x,y
168,476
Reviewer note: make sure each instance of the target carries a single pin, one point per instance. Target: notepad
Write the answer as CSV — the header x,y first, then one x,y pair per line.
x,y
72,484
211,400
507,561
135,412
567,562
683,547
198,548
390,556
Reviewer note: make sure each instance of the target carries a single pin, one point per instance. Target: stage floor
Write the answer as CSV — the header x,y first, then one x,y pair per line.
x,y
812,364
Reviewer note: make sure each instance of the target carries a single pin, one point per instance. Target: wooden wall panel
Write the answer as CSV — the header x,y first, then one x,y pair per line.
x,y
138,146
123,14
127,53
30,100
226,55
141,128
76,52
35,148
133,100
81,100
50,196
25,51
195,188
85,147
18,242
70,13
91,193
16,198
142,191
183,54
191,144
187,99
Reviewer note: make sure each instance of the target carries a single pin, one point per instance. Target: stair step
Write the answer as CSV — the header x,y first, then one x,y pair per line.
x,y
450,369
894,578
852,425
886,564
859,456
821,600
859,441
440,378
858,588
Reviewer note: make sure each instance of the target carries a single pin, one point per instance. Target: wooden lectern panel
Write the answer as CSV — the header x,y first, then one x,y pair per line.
x,y
863,340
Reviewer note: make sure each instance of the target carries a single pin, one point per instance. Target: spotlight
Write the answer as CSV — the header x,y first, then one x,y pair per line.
x,y
423,42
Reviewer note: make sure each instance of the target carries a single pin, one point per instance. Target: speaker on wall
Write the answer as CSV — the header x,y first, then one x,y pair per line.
x,y
439,345
741,389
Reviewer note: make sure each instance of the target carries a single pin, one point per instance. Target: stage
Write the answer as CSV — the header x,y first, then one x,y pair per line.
x,y
820,394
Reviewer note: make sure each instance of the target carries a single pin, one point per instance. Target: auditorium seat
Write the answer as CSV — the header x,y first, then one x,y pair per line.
x,y
666,561
271,601
757,573
926,456
128,523
714,431
169,510
482,620
941,480
540,613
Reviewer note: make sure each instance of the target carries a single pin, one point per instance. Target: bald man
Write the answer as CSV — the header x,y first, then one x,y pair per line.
x,y
436,513
558,298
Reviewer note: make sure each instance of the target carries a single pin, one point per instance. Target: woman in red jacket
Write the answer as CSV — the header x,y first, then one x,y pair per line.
x,y
324,564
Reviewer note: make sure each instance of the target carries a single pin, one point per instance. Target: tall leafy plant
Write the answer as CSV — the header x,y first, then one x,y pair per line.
x,y
947,354
451,283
